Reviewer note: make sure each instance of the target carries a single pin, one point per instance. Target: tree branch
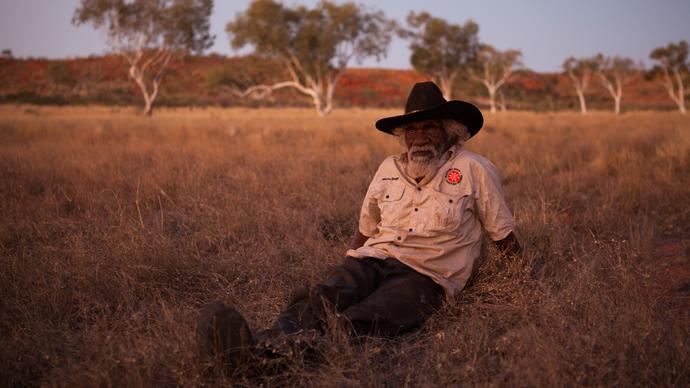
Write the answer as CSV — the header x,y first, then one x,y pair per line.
x,y
262,91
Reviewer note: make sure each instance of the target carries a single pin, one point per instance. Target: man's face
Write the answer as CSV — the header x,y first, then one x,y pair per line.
x,y
425,139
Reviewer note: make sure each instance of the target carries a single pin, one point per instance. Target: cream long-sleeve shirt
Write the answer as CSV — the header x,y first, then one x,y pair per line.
x,y
435,226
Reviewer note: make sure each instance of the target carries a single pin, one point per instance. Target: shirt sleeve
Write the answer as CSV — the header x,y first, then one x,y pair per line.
x,y
493,211
370,215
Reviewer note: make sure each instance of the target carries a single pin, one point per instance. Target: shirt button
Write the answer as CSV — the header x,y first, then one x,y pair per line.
x,y
415,209
387,196
410,229
399,238
419,189
450,200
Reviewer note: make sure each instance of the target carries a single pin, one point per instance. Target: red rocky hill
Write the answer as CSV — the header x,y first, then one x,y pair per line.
x,y
202,80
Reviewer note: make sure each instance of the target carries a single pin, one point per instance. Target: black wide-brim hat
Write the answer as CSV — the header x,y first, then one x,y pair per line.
x,y
426,102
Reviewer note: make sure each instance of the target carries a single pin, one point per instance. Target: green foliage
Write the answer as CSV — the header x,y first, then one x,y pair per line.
x,y
60,74
265,25
497,62
175,24
219,77
438,47
672,59
241,73
579,66
615,64
616,70
322,39
673,56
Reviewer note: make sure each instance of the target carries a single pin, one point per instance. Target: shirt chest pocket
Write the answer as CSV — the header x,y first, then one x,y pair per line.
x,y
390,203
448,211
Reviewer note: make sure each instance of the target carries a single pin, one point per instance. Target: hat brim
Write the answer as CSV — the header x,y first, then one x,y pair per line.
x,y
461,111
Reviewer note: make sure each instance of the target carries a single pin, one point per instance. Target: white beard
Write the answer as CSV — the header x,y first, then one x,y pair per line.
x,y
419,166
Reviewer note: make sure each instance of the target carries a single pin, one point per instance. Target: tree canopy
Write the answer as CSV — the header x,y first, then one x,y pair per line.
x,y
440,49
174,24
314,44
674,56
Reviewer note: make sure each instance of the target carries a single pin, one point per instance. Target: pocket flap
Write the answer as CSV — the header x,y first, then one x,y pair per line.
x,y
450,199
392,192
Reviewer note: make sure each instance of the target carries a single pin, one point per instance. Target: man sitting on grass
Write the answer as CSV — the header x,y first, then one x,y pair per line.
x,y
420,234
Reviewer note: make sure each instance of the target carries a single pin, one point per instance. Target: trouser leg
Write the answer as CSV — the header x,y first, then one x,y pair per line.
x,y
402,302
348,284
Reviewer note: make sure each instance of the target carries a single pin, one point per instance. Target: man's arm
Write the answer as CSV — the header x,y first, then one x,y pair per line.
x,y
493,212
509,246
358,240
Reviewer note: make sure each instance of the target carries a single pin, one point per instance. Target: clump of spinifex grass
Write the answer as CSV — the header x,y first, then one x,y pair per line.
x,y
116,230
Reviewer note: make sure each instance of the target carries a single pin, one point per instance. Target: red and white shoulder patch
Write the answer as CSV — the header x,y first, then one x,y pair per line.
x,y
453,176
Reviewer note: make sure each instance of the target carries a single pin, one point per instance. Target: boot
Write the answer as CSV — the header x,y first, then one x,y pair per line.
x,y
223,332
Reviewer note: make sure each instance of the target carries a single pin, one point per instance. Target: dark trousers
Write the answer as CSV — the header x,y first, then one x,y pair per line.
x,y
368,296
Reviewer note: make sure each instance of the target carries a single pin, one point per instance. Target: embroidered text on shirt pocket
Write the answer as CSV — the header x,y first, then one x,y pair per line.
x,y
389,202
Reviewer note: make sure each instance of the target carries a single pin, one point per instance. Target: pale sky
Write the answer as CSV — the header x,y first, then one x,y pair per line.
x,y
546,31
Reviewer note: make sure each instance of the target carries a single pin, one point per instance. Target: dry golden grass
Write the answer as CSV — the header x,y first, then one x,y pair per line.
x,y
116,229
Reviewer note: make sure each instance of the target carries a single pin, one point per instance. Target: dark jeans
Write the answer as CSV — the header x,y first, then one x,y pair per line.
x,y
368,296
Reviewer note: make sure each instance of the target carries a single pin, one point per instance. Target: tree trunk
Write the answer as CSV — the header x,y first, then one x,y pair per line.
x,y
583,103
446,86
330,91
617,100
445,83
619,94
681,92
318,105
322,103
615,92
502,102
326,108
492,100
679,96
148,107
149,97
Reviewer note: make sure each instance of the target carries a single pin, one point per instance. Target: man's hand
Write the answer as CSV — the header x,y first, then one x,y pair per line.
x,y
509,246
358,240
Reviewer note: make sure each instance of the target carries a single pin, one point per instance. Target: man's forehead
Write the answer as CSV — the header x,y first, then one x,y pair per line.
x,y
422,124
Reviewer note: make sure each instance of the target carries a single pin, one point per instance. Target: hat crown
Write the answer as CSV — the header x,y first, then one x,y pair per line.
x,y
426,102
424,95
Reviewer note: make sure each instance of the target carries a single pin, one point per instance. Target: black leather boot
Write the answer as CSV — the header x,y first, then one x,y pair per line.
x,y
222,332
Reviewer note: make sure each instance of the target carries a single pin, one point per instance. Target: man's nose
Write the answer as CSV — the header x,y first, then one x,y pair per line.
x,y
419,138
